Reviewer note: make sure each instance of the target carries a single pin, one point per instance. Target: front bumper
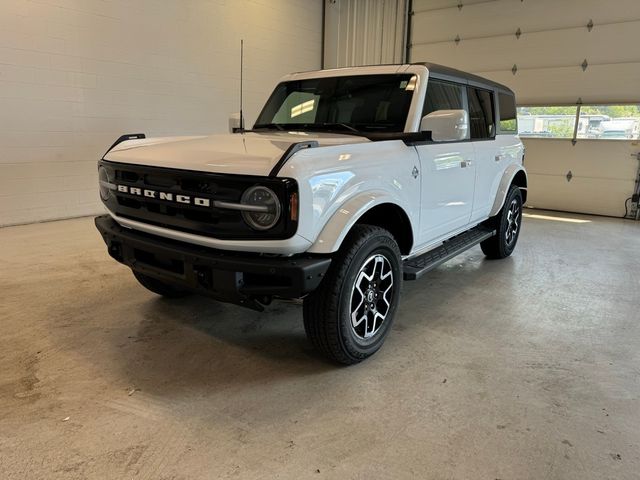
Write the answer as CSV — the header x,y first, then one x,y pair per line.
x,y
240,278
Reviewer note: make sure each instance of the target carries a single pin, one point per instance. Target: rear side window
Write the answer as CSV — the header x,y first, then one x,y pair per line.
x,y
481,116
442,96
507,109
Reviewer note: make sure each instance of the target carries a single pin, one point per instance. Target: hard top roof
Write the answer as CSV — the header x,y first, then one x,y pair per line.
x,y
443,71
439,71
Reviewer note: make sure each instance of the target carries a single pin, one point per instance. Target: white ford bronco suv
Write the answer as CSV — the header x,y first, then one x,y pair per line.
x,y
351,181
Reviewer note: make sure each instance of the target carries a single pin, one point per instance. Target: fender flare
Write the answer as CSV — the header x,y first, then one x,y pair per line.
x,y
338,226
507,178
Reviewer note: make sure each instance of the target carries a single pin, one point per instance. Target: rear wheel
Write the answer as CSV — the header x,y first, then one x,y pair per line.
x,y
349,316
507,223
159,287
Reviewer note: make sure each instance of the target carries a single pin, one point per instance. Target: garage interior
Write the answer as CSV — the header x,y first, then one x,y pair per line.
x,y
523,368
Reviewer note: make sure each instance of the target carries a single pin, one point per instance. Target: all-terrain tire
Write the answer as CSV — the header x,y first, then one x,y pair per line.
x,y
159,287
362,270
507,223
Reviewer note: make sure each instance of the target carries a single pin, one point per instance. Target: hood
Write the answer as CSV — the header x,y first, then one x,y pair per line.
x,y
250,153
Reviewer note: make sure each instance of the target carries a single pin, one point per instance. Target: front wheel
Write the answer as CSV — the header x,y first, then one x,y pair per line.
x,y
349,316
507,223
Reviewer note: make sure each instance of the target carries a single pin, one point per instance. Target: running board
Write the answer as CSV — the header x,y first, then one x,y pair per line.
x,y
415,267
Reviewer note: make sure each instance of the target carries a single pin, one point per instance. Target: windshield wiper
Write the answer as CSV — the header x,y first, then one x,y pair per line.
x,y
302,127
342,125
269,126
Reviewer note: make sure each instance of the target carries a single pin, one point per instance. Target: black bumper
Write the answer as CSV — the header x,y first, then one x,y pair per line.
x,y
240,278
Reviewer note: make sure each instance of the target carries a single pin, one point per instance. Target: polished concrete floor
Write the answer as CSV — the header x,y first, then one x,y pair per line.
x,y
526,368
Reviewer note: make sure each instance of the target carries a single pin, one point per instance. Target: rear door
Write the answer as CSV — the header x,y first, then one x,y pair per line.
x,y
482,127
447,170
492,118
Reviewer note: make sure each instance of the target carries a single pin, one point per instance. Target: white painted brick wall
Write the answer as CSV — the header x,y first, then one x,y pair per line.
x,y
76,74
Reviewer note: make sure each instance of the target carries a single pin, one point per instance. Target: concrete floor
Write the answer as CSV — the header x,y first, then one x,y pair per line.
x,y
515,369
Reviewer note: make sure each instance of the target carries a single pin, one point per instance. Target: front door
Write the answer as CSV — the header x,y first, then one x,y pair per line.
x,y
448,179
447,170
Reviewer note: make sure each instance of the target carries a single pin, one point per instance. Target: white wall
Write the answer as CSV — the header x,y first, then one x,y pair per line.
x,y
364,32
76,74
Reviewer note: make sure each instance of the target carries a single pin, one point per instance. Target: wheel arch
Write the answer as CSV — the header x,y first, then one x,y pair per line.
x,y
520,179
513,175
372,209
394,219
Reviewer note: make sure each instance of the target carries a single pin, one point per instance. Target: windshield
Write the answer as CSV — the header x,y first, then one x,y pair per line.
x,y
355,104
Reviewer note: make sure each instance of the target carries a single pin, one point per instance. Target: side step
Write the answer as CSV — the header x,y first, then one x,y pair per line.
x,y
415,267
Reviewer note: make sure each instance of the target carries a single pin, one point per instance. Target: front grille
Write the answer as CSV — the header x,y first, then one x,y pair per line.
x,y
199,215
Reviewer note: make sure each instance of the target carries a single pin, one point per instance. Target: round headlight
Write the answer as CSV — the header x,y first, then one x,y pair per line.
x,y
105,184
267,208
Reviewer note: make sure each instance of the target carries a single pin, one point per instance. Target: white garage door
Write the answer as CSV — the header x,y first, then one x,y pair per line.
x,y
554,55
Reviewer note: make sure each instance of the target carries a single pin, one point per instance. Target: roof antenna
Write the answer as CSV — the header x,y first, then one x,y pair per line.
x,y
241,62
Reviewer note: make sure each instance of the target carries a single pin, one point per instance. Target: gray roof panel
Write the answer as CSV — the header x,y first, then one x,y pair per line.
x,y
453,74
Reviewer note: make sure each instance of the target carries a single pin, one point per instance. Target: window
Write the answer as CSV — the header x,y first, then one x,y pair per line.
x,y
366,103
442,96
609,122
298,107
547,122
507,109
481,118
602,122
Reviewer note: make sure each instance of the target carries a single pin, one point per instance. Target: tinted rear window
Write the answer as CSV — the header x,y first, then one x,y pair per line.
x,y
481,117
507,106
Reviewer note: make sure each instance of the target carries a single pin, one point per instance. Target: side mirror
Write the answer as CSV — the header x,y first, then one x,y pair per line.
x,y
446,125
235,123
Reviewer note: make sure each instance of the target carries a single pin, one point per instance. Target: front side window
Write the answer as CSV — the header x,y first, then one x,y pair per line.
x,y
363,103
442,96
481,117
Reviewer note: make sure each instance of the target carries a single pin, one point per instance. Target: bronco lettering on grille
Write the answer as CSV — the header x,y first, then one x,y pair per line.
x,y
167,196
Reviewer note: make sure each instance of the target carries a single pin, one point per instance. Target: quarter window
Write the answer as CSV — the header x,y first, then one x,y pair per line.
x,y
507,109
481,117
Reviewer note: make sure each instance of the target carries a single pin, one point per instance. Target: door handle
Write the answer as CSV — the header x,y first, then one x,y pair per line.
x,y
465,163
499,157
